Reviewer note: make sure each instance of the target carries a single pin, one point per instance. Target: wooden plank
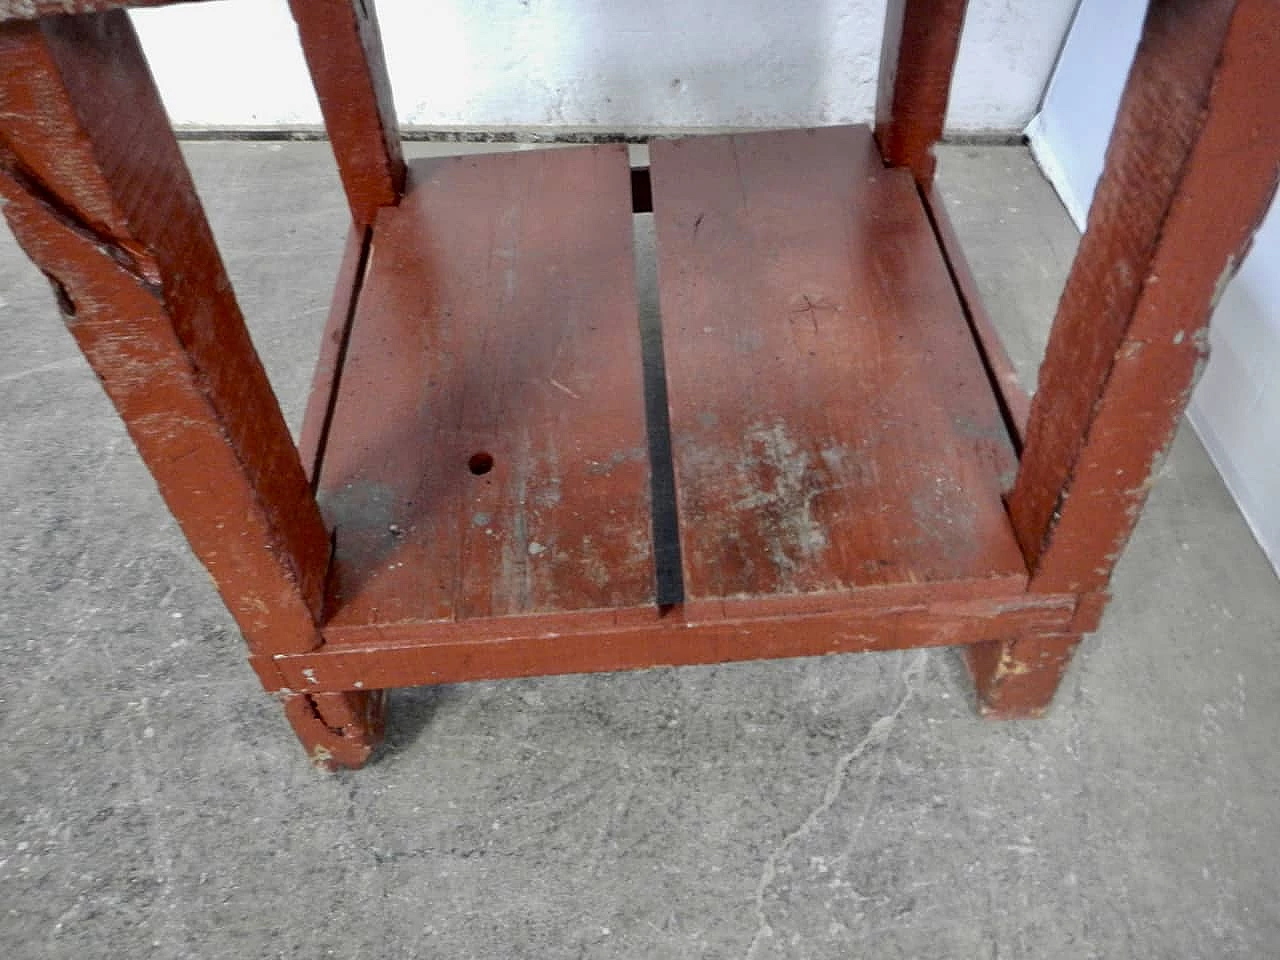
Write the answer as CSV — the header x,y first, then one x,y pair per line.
x,y
832,425
1015,402
98,195
514,647
343,48
1190,172
917,58
487,455
338,729
35,9
333,350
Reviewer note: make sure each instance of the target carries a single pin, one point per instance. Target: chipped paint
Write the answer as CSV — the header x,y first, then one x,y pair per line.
x,y
786,483
322,757
1010,665
1223,281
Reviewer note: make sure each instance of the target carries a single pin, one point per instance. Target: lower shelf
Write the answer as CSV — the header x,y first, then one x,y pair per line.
x,y
832,424
487,451
838,449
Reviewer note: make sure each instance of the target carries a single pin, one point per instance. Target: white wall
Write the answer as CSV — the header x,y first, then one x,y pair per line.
x,y
601,64
1069,135
1236,408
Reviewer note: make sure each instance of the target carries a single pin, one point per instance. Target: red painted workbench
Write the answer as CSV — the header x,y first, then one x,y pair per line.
x,y
855,467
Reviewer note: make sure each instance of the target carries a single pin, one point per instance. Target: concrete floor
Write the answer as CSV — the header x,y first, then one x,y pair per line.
x,y
155,804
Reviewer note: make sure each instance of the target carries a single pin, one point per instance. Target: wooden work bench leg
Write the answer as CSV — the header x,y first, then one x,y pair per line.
x,y
918,56
96,191
1017,678
338,729
1190,173
341,42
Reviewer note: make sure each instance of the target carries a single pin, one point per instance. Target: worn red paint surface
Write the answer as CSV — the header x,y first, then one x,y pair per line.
x,y
832,425
343,50
1017,678
100,198
921,41
96,191
418,654
488,454
841,409
1189,174
333,351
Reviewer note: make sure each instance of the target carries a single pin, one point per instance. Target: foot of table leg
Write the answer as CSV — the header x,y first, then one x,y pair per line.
x,y
338,729
1017,678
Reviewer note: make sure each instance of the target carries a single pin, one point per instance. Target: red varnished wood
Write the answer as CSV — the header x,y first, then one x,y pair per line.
x,y
497,319
99,196
1017,678
333,350
477,425
411,654
866,603
1015,401
921,40
1189,175
344,53
338,729
832,426
1190,172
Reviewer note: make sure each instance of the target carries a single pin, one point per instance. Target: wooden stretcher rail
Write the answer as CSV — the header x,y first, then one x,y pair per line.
x,y
522,647
486,453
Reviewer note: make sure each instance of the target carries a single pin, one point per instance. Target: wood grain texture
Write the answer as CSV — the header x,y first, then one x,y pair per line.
x,y
343,49
1190,172
521,647
99,196
917,59
832,426
487,455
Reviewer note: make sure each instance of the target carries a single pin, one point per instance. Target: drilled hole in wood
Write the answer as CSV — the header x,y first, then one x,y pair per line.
x,y
480,463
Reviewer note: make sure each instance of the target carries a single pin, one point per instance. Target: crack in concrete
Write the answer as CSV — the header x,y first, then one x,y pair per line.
x,y
70,363
876,736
